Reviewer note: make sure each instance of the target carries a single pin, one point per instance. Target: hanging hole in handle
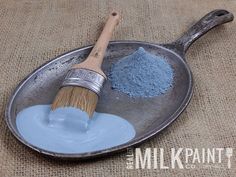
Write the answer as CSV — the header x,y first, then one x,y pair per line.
x,y
114,14
222,13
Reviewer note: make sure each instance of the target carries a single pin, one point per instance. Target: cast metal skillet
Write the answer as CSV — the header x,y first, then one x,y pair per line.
x,y
149,116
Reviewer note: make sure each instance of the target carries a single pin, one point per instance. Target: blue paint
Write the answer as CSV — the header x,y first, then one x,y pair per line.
x,y
69,130
141,74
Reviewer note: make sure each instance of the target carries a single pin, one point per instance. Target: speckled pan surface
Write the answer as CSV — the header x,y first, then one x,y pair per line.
x,y
148,115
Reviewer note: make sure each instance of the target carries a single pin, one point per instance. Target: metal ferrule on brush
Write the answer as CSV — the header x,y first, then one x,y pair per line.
x,y
84,78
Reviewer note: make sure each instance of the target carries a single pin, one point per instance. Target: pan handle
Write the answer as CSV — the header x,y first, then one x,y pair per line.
x,y
209,21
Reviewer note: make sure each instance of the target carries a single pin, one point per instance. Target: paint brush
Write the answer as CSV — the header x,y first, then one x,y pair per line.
x,y
83,82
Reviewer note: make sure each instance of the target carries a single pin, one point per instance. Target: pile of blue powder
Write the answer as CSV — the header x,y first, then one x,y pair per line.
x,y
141,74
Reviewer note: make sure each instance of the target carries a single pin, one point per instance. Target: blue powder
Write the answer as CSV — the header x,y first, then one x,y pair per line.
x,y
141,75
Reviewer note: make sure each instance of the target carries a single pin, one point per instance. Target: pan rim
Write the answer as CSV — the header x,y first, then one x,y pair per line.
x,y
89,155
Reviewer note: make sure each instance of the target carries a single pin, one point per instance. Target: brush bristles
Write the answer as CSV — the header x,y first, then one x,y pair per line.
x,y
78,97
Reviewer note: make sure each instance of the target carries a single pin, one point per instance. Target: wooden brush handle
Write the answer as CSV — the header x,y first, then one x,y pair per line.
x,y
100,47
95,58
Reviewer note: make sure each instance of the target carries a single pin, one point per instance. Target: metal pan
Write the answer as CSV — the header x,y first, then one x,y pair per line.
x,y
148,115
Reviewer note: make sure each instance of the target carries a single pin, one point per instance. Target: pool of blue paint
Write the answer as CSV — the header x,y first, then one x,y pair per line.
x,y
70,130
